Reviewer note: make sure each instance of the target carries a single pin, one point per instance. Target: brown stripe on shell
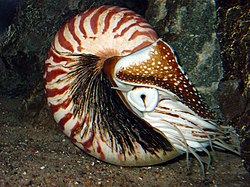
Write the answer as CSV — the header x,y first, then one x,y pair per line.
x,y
108,18
62,105
63,40
137,33
125,30
83,16
95,17
72,30
136,48
65,119
54,73
127,16
55,91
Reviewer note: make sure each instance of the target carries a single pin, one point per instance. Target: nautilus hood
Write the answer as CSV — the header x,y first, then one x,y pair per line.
x,y
156,66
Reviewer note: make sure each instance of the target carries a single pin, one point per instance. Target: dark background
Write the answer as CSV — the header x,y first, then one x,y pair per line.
x,y
7,12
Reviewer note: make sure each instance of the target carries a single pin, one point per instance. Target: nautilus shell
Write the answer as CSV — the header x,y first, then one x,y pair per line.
x,y
120,95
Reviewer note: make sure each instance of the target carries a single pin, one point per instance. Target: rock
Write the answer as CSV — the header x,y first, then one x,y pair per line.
x,y
233,34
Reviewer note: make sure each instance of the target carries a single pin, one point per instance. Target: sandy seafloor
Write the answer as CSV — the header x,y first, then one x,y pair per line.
x,y
34,152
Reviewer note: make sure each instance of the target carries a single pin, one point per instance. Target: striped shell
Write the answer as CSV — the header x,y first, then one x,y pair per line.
x,y
118,92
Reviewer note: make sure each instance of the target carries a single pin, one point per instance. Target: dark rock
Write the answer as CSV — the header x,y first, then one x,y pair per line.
x,y
233,34
232,102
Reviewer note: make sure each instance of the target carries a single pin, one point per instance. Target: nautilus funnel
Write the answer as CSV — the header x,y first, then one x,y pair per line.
x,y
119,93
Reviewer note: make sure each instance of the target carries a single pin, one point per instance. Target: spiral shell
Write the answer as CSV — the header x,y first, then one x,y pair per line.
x,y
118,92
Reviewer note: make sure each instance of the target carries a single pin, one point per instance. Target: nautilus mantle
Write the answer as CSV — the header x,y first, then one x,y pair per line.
x,y
120,95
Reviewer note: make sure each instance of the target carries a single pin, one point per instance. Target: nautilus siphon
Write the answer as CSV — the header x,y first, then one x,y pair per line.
x,y
118,92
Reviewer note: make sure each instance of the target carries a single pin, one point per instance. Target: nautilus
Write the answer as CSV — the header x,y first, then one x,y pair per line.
x,y
117,91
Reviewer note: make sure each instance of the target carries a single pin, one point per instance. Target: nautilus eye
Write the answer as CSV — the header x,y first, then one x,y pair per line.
x,y
143,99
119,93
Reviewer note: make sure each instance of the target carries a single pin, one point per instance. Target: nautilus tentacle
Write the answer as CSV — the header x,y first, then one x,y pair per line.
x,y
118,92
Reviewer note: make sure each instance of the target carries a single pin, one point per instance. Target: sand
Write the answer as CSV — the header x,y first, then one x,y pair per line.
x,y
34,152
